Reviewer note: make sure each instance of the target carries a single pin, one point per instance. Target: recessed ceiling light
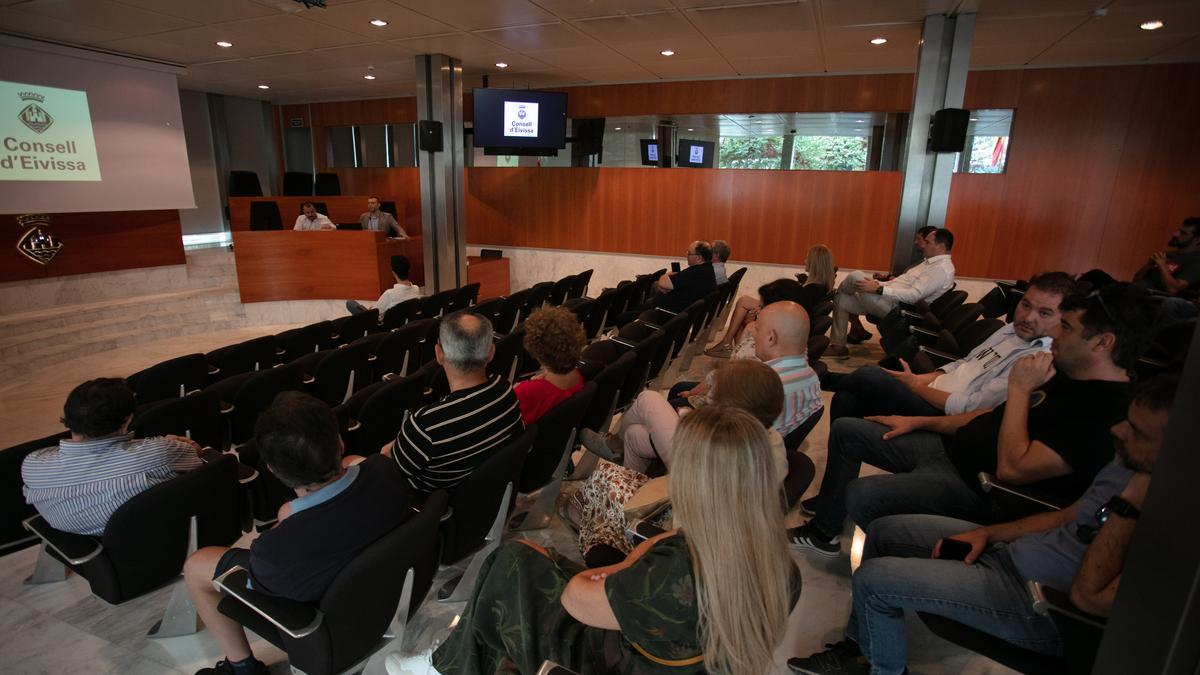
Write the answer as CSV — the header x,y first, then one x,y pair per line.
x,y
1152,25
501,64
690,129
368,77
616,128
859,121
224,43
264,86
378,22
668,52
878,41
974,119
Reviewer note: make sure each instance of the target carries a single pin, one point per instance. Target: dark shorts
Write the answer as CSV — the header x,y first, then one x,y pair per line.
x,y
234,557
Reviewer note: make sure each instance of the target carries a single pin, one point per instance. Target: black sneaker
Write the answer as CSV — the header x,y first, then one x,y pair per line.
x,y
223,667
808,537
840,658
809,506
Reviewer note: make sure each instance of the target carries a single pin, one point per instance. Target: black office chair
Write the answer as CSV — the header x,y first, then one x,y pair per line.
x,y
488,308
390,207
148,537
598,314
398,315
608,381
462,298
506,361
579,286
335,374
264,216
196,416
479,507
432,306
321,208
801,469
244,184
559,290
297,342
375,414
170,379
347,329
250,393
538,293
402,351
297,184
547,461
371,597
13,535
328,184
254,354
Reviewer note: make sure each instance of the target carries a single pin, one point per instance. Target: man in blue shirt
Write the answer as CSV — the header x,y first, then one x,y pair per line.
x,y
901,569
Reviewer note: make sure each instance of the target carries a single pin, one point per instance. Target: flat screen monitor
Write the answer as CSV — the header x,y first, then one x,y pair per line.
x,y
696,154
518,118
649,152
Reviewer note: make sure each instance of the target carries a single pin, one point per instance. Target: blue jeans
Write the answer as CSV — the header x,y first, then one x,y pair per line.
x,y
923,480
871,391
897,574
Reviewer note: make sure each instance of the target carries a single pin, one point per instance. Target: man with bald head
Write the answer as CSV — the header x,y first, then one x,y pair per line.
x,y
781,341
441,444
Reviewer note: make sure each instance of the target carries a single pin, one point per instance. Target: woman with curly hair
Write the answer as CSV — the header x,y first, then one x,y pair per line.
x,y
555,338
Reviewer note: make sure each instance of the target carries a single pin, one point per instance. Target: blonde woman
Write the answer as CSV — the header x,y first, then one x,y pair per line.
x,y
711,596
820,270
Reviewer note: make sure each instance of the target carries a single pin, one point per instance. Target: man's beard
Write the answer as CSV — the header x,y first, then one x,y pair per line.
x,y
1128,460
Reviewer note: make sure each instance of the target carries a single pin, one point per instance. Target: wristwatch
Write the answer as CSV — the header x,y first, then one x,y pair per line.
x,y
1120,507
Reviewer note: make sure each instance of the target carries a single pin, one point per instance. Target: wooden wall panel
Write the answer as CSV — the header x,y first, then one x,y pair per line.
x,y
768,216
1091,147
369,111
97,242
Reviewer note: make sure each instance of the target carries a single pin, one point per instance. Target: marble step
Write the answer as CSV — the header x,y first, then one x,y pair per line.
x,y
54,353
66,315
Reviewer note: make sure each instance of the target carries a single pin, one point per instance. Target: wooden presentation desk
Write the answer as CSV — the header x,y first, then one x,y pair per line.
x,y
342,209
339,265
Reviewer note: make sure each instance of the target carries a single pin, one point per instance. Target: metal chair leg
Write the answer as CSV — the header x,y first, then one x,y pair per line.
x,y
459,590
538,517
47,569
179,617
395,633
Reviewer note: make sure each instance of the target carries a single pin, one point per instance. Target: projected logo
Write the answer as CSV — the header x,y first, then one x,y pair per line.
x,y
520,119
33,115
37,244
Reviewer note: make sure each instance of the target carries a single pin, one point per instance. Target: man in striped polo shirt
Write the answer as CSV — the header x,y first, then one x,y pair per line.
x,y
441,444
78,485
781,341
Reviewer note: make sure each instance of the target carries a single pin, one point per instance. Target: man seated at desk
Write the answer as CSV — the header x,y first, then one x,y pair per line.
x,y
376,220
309,219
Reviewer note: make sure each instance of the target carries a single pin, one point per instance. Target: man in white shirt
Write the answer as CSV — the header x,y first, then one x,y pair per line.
x,y
403,290
978,381
309,219
376,220
859,293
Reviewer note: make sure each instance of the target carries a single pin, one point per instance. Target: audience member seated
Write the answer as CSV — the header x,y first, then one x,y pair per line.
x,y
780,339
598,508
1174,272
677,290
720,249
1051,433
553,336
309,219
442,443
858,332
377,220
859,294
978,381
908,564
78,485
336,513
724,578
401,291
820,269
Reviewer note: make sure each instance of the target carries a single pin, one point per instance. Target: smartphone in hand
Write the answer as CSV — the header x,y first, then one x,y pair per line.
x,y
675,267
953,549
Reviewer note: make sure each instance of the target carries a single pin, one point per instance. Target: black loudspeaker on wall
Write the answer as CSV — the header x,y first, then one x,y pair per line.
x,y
429,135
948,130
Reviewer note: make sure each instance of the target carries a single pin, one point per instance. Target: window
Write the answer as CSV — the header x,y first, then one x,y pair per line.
x,y
987,142
371,145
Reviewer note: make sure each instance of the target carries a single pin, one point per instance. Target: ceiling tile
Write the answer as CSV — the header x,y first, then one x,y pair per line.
x,y
759,31
626,72
476,15
989,9
208,11
535,38
364,55
249,68
688,4
463,46
778,65
1016,41
849,49
247,37
1125,24
50,28
299,33
166,50
837,13
1186,51
1111,51
356,17
1003,55
578,9
595,54
642,37
689,68
108,15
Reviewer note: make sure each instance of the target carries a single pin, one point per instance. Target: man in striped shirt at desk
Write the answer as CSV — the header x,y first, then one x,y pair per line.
x,y
78,485
442,443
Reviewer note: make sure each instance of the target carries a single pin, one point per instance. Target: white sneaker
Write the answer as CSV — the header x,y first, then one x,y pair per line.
x,y
417,664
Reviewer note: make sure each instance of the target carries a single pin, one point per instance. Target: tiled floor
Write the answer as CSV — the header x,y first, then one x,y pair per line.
x,y
61,627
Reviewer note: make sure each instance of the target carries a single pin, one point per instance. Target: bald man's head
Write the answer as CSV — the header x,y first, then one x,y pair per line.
x,y
700,252
780,330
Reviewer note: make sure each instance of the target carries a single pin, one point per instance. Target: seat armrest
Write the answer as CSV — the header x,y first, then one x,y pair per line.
x,y
1048,600
939,358
297,619
648,324
640,530
213,370
912,316
623,343
552,668
990,483
74,549
309,379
